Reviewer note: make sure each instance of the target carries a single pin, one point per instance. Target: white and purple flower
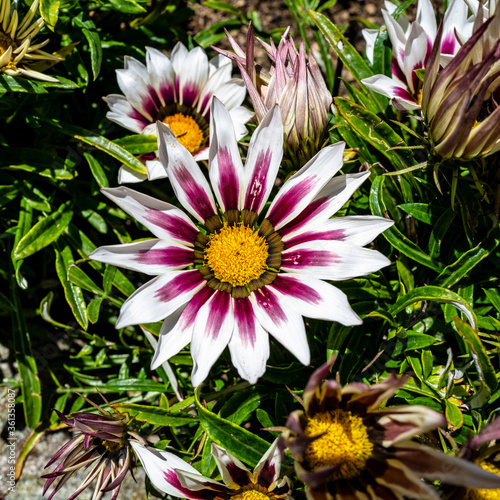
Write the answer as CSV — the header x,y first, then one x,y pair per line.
x,y
412,45
235,275
178,91
172,475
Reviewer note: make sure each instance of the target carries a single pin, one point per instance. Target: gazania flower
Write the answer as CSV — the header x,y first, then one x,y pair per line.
x,y
102,444
235,275
173,476
411,47
296,85
347,447
484,450
17,53
177,91
460,102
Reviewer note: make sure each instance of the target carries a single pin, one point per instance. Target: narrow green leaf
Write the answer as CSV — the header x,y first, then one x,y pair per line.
x,y
95,50
26,365
79,278
93,309
97,171
100,142
494,297
347,54
127,6
244,445
73,294
15,84
108,278
416,340
393,235
434,293
44,232
440,229
223,6
8,193
468,260
138,144
482,362
423,212
156,416
135,384
49,10
23,226
454,416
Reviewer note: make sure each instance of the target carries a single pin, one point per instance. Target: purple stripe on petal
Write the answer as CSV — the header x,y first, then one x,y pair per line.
x,y
294,288
335,234
257,185
403,94
308,258
146,157
290,200
205,101
188,316
397,71
228,181
173,224
303,217
219,308
171,256
190,93
245,318
414,78
135,115
181,283
239,476
197,197
268,301
149,104
266,475
448,44
167,92
172,479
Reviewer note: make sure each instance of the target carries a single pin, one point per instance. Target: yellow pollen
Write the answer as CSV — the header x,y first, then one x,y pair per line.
x,y
5,43
484,493
344,443
111,445
187,131
236,254
250,495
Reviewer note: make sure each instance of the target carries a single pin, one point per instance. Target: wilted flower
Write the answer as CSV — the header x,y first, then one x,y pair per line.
x,y
234,276
484,451
347,446
102,444
177,91
460,102
411,47
17,53
174,476
295,84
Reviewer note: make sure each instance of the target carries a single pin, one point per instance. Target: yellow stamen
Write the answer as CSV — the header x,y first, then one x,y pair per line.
x,y
236,254
5,43
483,493
344,443
111,445
250,495
187,131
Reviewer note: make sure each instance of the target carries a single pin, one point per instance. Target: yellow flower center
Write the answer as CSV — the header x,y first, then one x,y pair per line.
x,y
484,493
5,43
111,445
236,254
250,495
344,442
187,131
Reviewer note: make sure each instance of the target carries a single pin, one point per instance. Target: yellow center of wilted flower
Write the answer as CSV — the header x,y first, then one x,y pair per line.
x,y
5,43
250,495
483,493
344,443
236,254
187,131
111,445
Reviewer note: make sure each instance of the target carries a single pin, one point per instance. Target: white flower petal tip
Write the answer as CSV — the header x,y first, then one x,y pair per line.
x,y
176,90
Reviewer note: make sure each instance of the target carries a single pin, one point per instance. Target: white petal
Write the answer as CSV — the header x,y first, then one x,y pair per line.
x,y
156,170
124,114
127,175
161,74
224,459
426,18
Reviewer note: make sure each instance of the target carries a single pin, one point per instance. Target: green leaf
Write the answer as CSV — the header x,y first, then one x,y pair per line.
x,y
416,340
347,54
482,362
494,297
93,309
375,131
100,142
49,10
23,226
393,235
108,278
73,294
244,445
79,278
422,211
138,144
8,193
127,6
454,416
95,50
440,229
97,171
134,384
434,293
16,84
223,6
26,365
44,232
468,260
156,416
